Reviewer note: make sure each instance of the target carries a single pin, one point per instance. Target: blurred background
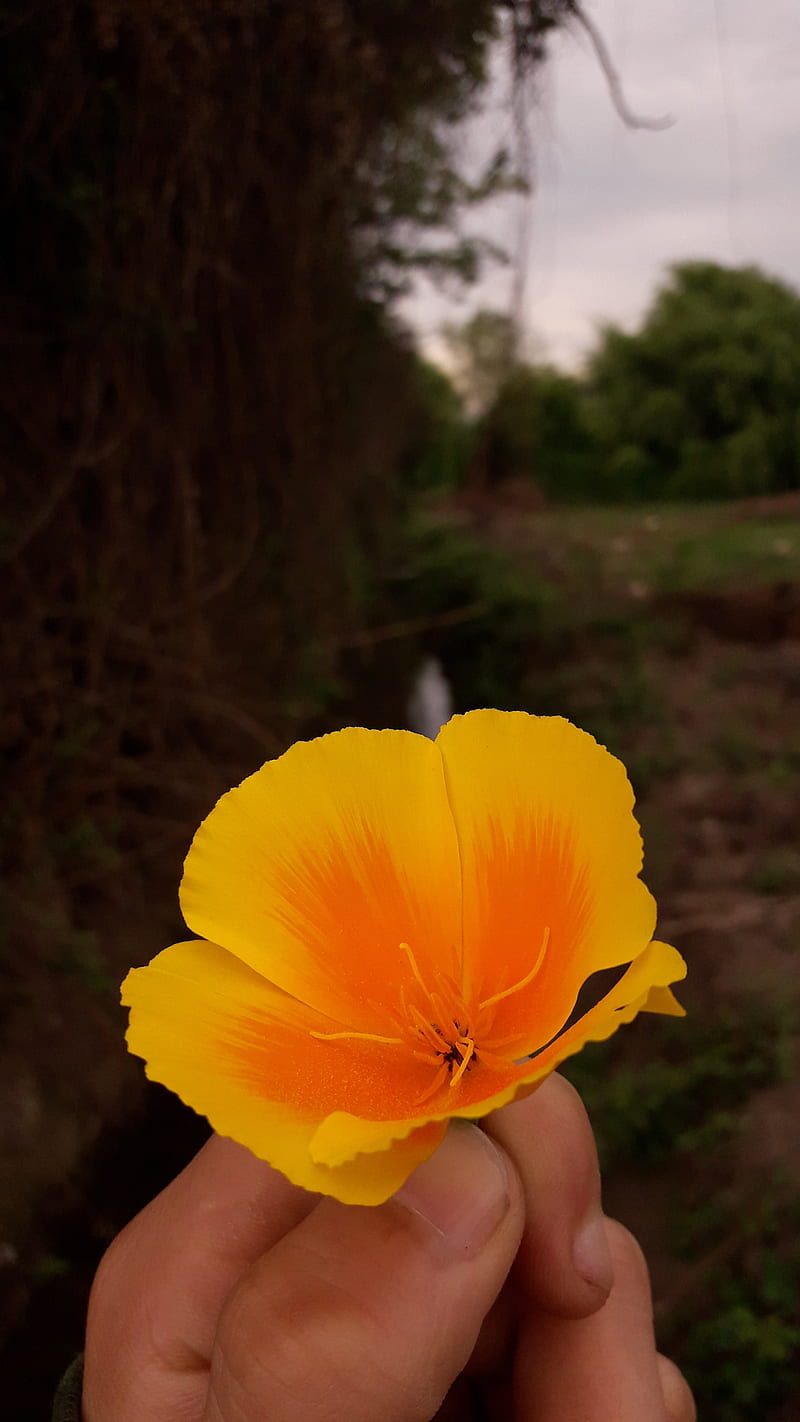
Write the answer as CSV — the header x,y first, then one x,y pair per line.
x,y
362,362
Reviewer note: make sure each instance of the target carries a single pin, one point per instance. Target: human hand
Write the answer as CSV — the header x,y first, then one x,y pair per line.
x,y
483,1289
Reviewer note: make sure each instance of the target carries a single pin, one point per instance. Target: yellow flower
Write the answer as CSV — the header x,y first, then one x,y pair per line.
x,y
394,932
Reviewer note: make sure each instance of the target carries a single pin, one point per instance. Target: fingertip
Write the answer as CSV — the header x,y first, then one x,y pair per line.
x,y
564,1263
679,1403
466,1189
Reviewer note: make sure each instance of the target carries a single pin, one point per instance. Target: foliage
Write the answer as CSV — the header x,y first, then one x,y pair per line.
x,y
740,1345
703,401
737,1337
696,1074
424,70
440,441
482,615
484,354
535,428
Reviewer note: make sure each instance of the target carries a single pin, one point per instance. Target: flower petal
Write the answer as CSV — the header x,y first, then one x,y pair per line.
x,y
663,1001
342,1137
240,1052
643,988
319,866
550,854
371,1179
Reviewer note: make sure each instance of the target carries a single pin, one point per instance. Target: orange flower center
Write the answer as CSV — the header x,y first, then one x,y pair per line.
x,y
438,1027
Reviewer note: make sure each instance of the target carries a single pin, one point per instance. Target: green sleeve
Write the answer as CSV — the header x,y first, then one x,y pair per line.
x,y
67,1401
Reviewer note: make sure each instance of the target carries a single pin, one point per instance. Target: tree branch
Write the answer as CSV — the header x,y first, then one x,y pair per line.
x,y
603,56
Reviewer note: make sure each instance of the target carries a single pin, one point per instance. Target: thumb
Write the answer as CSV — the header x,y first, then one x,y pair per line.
x,y
360,1313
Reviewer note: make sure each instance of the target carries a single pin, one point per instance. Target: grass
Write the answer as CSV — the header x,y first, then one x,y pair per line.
x,y
670,547
749,552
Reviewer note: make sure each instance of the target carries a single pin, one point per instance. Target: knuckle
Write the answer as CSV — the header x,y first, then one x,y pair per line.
x,y
113,1267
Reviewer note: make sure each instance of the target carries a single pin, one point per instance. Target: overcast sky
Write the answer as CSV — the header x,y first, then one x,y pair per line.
x,y
613,207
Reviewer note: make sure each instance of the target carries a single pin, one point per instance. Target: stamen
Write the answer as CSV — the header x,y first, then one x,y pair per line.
x,y
357,1036
448,985
469,1051
436,1084
417,1016
429,1030
499,1044
509,992
492,1060
415,970
422,1056
436,1038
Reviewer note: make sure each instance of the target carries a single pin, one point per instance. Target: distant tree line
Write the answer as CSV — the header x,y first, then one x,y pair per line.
x,y
702,402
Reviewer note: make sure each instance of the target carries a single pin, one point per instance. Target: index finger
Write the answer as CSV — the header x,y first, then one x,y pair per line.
x,y
162,1285
564,1263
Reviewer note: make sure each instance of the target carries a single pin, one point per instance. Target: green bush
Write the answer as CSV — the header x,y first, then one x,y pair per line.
x,y
487,618
703,401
